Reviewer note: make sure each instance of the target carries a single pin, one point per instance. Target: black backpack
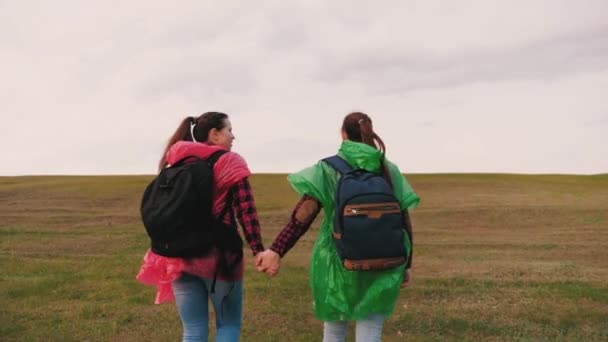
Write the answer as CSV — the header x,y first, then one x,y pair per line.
x,y
368,222
176,209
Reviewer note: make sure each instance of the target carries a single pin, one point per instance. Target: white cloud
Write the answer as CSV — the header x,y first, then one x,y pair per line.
x,y
469,86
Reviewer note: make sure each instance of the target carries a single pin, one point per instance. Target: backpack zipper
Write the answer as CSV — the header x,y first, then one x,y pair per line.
x,y
372,211
356,211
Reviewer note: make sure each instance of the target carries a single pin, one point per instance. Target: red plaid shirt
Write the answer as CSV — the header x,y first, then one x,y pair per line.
x,y
243,206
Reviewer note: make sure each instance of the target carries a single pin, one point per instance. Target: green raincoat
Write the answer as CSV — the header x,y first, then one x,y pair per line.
x,y
340,294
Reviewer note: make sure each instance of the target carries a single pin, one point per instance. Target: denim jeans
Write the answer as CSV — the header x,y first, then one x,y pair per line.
x,y
192,298
367,330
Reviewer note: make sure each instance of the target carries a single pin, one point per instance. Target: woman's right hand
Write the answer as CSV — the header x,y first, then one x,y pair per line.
x,y
268,261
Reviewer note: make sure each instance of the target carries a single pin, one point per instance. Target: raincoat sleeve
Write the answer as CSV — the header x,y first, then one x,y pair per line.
x,y
403,190
312,181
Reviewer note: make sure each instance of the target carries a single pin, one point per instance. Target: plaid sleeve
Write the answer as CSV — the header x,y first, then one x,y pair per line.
x,y
302,217
244,207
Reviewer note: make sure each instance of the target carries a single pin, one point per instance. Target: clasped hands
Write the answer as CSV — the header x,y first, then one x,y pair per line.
x,y
268,261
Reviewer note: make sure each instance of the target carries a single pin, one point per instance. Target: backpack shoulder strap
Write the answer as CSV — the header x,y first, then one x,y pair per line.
x,y
211,159
338,164
183,161
215,156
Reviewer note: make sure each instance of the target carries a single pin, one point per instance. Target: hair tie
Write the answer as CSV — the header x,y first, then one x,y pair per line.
x,y
361,121
192,130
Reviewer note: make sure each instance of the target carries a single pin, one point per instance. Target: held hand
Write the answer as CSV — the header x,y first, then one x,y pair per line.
x,y
407,278
269,261
272,262
258,260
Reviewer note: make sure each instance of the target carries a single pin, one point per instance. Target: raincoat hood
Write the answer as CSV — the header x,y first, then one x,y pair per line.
x,y
360,155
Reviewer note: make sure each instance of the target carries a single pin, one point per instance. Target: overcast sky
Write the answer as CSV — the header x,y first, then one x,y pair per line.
x,y
452,86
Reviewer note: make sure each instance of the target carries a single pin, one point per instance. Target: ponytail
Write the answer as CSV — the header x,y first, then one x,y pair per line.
x,y
358,127
182,133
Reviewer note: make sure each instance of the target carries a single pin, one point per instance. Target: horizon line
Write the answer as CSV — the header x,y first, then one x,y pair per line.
x,y
287,173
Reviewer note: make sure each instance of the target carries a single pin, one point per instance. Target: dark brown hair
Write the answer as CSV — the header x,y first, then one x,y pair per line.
x,y
202,125
358,127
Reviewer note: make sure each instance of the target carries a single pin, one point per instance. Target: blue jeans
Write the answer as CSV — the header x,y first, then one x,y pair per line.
x,y
367,330
192,298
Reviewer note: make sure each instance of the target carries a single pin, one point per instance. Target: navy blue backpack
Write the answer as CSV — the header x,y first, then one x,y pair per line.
x,y
368,223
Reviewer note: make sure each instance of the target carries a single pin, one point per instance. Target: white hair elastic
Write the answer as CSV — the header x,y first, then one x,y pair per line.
x,y
192,131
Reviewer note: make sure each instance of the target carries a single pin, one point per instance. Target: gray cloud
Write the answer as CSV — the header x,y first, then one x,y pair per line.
x,y
598,121
196,83
110,83
395,70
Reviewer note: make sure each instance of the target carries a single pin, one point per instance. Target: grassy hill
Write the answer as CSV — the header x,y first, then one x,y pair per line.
x,y
497,257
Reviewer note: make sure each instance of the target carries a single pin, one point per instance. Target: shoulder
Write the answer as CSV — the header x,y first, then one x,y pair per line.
x,y
396,174
320,169
231,157
232,162
391,166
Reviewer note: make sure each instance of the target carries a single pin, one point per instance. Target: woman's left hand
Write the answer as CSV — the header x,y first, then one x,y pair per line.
x,y
407,278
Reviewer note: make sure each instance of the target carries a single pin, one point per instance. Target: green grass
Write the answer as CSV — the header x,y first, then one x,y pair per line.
x,y
498,257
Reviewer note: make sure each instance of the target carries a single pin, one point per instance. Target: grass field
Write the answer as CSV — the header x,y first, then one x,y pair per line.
x,y
498,257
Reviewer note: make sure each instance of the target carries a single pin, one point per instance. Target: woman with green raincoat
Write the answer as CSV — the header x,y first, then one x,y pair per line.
x,y
341,295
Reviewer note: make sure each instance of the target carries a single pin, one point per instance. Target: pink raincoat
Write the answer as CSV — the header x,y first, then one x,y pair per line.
x,y
161,271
